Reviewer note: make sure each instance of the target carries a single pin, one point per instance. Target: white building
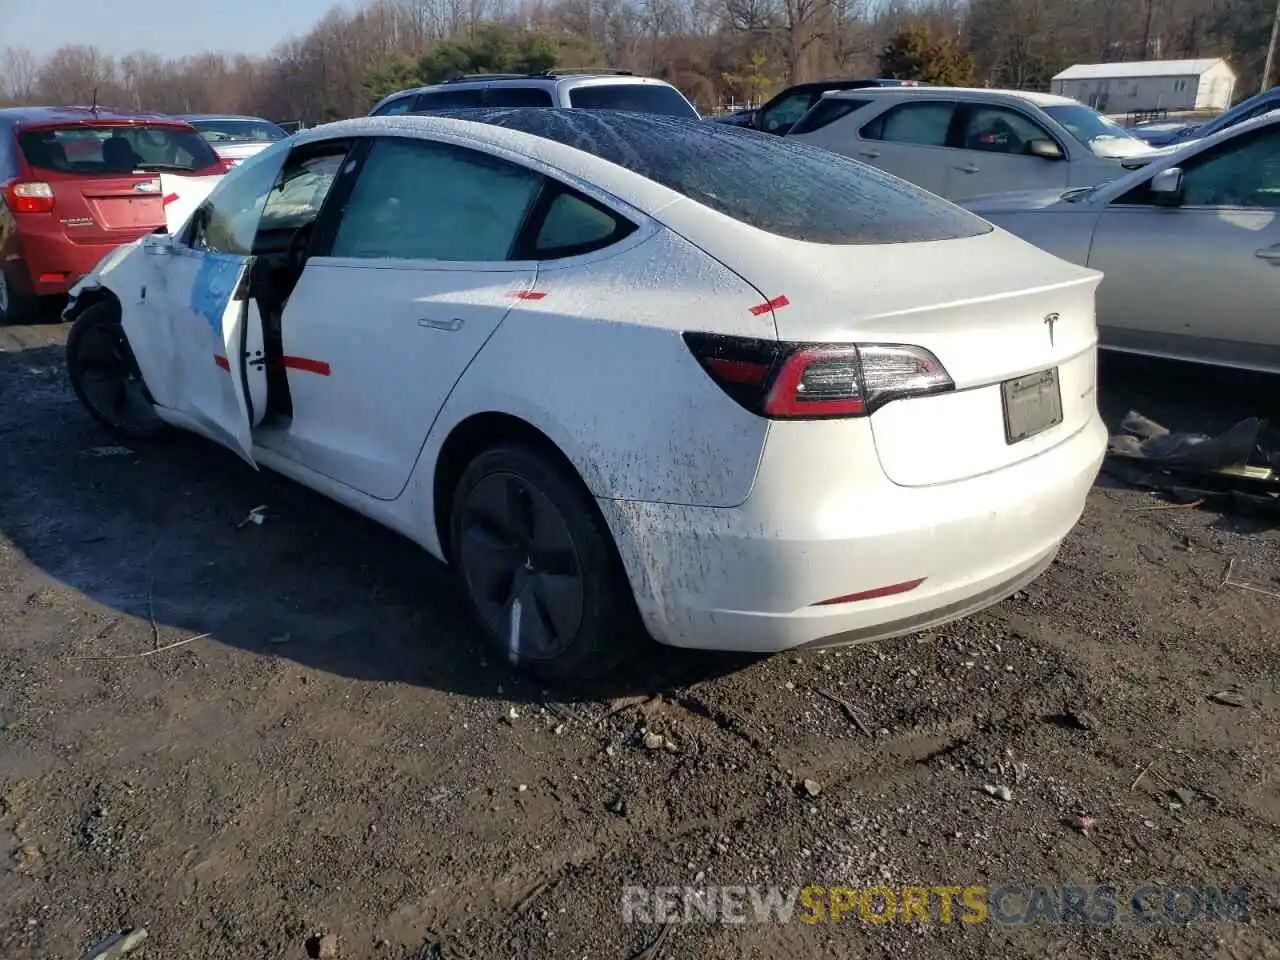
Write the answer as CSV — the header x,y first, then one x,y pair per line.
x,y
1149,85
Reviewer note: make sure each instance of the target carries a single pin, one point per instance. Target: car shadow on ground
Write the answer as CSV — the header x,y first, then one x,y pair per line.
x,y
160,532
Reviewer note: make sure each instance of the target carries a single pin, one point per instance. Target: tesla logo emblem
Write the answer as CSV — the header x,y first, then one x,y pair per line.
x,y
1049,321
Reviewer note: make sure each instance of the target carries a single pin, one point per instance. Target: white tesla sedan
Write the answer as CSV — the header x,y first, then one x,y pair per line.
x,y
1190,246
623,372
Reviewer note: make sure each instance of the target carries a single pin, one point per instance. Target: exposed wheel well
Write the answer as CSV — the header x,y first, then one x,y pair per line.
x,y
91,298
468,439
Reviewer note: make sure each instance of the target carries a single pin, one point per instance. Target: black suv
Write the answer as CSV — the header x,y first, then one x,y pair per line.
x,y
781,113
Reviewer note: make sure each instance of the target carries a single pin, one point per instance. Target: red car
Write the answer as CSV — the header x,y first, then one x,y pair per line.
x,y
75,182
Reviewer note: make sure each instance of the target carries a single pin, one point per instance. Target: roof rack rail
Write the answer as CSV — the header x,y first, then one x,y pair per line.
x,y
459,77
569,71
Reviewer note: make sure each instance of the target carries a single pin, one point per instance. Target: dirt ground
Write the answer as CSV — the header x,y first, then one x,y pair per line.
x,y
338,757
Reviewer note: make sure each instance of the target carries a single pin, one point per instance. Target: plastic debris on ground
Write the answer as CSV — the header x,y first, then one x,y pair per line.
x,y
1237,470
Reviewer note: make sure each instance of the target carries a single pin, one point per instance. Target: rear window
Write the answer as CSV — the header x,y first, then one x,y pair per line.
x,y
239,131
773,183
826,112
447,100
633,97
116,149
394,107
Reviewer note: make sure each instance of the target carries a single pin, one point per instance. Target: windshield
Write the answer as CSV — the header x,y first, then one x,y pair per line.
x,y
1103,137
239,131
116,149
633,97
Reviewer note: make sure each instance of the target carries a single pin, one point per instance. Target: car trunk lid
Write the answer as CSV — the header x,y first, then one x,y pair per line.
x,y
1013,326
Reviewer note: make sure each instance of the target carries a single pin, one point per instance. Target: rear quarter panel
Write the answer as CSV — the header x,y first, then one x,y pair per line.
x,y
598,364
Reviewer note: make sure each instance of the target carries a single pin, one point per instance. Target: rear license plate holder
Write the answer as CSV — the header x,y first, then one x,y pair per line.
x,y
1032,404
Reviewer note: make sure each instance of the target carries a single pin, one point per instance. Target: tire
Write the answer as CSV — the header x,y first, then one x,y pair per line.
x,y
523,527
15,307
106,378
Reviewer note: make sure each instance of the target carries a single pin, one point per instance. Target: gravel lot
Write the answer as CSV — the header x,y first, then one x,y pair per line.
x,y
338,758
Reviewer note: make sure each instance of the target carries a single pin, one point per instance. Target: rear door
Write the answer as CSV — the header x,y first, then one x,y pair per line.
x,y
909,140
204,358
992,154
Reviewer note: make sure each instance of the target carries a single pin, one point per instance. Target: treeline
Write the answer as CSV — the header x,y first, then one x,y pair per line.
x,y
717,51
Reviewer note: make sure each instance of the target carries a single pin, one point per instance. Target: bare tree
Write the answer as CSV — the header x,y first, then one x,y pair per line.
x,y
18,70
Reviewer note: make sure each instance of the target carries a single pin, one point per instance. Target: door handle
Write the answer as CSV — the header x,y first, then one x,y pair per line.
x,y
870,154
1270,254
971,168
450,326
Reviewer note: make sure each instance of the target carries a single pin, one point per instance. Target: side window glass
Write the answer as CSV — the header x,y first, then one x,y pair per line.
x,y
420,200
826,113
1247,174
300,191
448,100
395,107
920,123
787,111
574,225
227,221
1000,130
502,95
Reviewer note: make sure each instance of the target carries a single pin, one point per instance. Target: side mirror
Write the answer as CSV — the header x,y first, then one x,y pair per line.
x,y
1044,149
1166,187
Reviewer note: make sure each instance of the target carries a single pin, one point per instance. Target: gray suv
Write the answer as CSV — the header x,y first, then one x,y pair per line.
x,y
582,89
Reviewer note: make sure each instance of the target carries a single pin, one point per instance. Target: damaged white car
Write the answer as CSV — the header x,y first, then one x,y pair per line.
x,y
624,372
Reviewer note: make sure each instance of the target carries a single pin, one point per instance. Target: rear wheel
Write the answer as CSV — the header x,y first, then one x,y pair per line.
x,y
539,566
105,375
15,306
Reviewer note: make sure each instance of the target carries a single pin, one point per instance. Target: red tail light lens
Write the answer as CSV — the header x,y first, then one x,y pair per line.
x,y
31,196
817,381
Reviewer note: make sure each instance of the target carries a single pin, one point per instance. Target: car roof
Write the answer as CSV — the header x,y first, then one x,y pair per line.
x,y
1027,96
223,116
549,78
51,116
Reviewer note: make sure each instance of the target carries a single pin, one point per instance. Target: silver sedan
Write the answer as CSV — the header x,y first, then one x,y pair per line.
x,y
1189,245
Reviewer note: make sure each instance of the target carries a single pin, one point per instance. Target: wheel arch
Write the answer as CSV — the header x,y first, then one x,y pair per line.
x,y
465,441
92,297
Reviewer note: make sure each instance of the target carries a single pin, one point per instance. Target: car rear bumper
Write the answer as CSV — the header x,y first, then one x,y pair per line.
x,y
53,263
823,523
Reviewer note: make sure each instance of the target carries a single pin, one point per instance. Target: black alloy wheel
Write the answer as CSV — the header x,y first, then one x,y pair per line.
x,y
539,567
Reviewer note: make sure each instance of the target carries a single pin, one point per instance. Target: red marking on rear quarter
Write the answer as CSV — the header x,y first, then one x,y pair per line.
x,y
528,294
774,304
873,594
307,365
168,199
223,362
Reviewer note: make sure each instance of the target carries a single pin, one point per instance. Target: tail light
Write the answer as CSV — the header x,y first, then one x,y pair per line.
x,y
29,196
807,381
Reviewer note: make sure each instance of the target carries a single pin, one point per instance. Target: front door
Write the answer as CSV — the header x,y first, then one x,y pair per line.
x,y
404,286
1208,268
204,359
993,154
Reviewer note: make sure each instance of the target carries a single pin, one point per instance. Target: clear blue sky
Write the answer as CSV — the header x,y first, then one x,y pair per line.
x,y
169,28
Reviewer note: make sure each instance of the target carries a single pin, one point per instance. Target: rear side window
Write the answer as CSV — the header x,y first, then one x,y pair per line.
x,y
827,112
447,100
776,184
633,97
116,149
420,200
501,95
567,224
394,107
925,124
